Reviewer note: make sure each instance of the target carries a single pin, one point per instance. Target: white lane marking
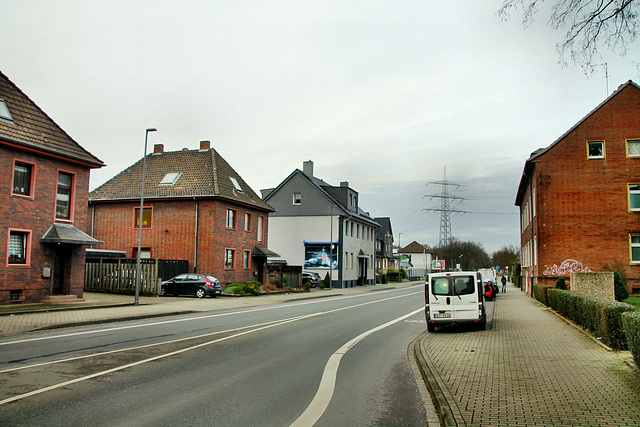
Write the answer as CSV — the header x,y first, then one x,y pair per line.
x,y
164,322
184,350
323,396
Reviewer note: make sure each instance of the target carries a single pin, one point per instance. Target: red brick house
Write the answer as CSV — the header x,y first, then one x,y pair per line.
x,y
579,198
196,208
45,186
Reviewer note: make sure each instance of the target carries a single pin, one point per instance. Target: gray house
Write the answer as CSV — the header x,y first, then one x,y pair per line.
x,y
321,228
384,244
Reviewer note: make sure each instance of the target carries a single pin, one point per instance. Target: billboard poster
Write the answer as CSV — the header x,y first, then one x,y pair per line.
x,y
320,255
438,264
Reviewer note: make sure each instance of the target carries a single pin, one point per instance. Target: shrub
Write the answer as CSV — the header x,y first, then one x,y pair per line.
x,y
631,325
251,287
234,289
603,318
327,281
403,273
540,293
620,286
561,283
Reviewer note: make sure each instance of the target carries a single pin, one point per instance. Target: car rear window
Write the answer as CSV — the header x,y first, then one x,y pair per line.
x,y
440,286
453,285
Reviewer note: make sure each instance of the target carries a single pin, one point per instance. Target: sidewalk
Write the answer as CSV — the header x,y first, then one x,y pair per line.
x,y
104,308
531,369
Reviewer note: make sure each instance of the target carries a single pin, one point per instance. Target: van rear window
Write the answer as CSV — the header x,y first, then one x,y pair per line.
x,y
453,285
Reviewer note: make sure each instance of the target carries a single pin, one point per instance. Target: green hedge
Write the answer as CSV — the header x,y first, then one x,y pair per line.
x,y
540,293
631,323
602,318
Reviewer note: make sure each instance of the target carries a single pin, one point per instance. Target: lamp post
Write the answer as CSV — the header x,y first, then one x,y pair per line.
x,y
144,170
399,247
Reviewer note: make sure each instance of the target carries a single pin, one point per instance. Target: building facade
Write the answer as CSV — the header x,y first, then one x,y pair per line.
x,y
384,245
321,228
579,198
196,208
45,183
416,259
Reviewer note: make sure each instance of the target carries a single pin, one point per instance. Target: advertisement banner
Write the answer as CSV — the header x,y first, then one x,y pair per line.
x,y
320,255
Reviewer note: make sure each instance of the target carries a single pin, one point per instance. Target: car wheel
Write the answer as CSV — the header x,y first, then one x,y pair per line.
x,y
431,327
200,293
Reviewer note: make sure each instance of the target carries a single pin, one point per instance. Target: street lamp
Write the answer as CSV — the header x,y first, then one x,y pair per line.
x,y
144,170
399,247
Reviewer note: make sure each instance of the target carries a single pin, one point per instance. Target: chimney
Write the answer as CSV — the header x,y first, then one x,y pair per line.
x,y
158,149
205,145
344,184
307,168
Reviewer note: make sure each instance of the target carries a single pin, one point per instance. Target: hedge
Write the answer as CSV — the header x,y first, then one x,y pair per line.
x,y
540,293
631,323
602,318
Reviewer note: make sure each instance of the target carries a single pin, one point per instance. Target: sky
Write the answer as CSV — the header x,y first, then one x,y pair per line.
x,y
384,94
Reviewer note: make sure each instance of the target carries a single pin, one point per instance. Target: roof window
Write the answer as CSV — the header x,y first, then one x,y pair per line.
x,y
235,183
170,178
4,111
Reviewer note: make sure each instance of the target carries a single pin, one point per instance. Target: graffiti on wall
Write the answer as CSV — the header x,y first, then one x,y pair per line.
x,y
567,266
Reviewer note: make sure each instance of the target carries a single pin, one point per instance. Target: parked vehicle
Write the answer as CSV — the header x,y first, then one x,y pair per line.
x,y
312,278
199,285
455,298
489,290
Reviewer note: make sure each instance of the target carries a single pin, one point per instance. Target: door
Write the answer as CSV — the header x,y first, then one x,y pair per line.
x,y
61,261
465,300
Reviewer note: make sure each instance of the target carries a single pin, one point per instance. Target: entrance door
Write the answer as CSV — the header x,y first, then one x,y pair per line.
x,y
61,258
362,271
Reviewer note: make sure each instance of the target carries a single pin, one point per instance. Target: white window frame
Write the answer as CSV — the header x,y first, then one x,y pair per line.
x,y
601,156
633,245
297,198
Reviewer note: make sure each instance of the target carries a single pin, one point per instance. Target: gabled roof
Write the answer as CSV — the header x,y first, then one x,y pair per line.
x,y
320,185
530,162
32,129
385,225
67,234
414,248
202,173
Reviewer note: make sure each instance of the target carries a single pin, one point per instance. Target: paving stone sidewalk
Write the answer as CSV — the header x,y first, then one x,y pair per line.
x,y
531,369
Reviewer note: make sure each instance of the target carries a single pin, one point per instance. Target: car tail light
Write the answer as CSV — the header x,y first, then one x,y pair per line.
x,y
208,282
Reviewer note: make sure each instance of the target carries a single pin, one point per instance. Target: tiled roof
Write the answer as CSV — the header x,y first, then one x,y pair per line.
x,y
414,247
204,173
32,127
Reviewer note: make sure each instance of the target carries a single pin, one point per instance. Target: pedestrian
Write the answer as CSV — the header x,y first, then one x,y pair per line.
x,y
504,284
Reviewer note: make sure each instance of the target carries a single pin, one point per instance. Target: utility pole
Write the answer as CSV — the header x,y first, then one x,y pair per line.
x,y
445,207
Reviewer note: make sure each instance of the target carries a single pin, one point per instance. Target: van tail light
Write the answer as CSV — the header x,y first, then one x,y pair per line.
x,y
426,293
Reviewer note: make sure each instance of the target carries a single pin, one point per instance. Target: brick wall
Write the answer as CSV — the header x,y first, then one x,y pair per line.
x,y
172,234
581,204
37,214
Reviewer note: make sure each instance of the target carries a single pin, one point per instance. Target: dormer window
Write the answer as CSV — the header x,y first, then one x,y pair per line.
x,y
170,178
4,111
595,149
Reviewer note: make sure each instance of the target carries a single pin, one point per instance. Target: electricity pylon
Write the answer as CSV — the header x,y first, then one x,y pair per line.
x,y
445,207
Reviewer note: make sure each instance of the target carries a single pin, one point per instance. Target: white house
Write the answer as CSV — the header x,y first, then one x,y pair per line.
x,y
321,228
416,259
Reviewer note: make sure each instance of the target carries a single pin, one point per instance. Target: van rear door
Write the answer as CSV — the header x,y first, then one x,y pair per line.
x,y
465,299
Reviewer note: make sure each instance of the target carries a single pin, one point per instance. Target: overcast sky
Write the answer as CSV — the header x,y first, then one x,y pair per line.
x,y
382,94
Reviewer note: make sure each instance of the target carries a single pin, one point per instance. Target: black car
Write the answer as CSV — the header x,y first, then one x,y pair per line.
x,y
313,279
199,285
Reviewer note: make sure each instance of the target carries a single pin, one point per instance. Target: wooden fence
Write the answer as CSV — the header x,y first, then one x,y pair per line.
x,y
118,275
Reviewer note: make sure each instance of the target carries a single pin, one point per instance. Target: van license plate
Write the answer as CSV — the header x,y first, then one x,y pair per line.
x,y
441,315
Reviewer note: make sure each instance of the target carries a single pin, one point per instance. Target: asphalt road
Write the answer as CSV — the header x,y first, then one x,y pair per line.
x,y
332,361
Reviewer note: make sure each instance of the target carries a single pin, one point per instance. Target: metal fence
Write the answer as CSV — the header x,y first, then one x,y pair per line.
x,y
118,275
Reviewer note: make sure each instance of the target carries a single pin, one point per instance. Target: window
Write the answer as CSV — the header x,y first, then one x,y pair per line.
x,y
231,219
246,261
23,179
18,253
634,242
634,197
633,147
170,178
147,213
260,220
235,183
247,222
145,253
15,296
229,259
595,149
4,111
64,196
297,198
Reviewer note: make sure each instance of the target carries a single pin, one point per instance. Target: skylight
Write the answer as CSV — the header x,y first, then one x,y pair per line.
x,y
170,178
4,111
235,183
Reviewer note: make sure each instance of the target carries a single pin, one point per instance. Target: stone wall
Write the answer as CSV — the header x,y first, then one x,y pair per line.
x,y
598,285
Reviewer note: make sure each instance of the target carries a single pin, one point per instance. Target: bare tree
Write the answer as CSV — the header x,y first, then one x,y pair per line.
x,y
589,25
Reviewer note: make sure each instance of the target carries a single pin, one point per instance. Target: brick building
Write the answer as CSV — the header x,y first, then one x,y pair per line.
x,y
196,208
44,192
579,198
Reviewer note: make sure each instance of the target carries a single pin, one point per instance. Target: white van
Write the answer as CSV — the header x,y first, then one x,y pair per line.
x,y
455,297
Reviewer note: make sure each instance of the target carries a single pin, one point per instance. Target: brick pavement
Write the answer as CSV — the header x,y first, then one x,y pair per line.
x,y
530,369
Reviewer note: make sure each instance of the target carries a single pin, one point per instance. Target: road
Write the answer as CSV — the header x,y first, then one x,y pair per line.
x,y
330,361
